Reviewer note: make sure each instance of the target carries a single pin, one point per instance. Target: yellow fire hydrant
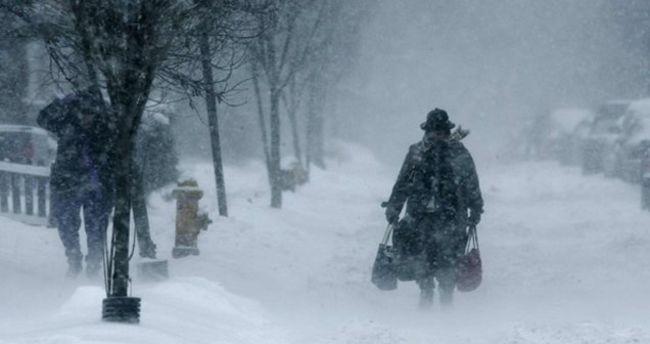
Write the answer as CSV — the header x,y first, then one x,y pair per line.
x,y
189,222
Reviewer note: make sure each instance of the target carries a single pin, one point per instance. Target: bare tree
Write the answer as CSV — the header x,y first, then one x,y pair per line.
x,y
210,34
128,49
332,41
292,100
127,43
215,45
122,47
211,106
338,44
276,56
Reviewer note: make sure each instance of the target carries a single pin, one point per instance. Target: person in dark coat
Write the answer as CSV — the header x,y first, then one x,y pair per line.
x,y
82,174
440,186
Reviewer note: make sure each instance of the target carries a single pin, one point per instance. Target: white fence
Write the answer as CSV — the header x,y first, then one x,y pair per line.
x,y
24,193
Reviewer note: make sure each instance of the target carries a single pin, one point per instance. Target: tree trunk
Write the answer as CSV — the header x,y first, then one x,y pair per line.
x,y
295,137
315,128
293,121
128,98
276,182
261,119
140,216
119,283
213,120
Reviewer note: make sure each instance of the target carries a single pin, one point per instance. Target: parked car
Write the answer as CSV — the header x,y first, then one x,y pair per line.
x,y
580,135
645,180
600,146
26,145
634,142
535,136
569,128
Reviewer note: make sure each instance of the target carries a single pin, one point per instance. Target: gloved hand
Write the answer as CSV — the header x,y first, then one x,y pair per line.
x,y
392,214
474,217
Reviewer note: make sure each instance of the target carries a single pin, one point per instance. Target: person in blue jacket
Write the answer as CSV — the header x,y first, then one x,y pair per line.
x,y
82,175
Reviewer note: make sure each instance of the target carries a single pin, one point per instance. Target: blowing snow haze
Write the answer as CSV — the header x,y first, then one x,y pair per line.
x,y
494,65
177,171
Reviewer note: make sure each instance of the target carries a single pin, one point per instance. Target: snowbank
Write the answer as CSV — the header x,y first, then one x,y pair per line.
x,y
190,310
565,262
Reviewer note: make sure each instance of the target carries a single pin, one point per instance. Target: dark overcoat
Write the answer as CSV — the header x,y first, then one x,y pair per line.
x,y
439,185
85,155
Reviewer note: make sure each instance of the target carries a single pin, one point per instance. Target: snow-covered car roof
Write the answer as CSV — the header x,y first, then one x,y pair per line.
x,y
637,121
567,119
613,108
619,102
608,121
641,106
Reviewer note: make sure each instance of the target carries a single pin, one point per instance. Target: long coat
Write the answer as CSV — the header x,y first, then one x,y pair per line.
x,y
444,170
439,185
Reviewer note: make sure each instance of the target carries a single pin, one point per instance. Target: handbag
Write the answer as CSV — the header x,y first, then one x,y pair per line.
x,y
409,260
469,270
383,270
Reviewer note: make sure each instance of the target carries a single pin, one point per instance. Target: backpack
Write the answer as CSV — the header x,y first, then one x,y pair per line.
x,y
434,174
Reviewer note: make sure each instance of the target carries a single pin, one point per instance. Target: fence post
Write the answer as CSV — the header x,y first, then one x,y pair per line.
x,y
41,196
4,192
29,194
15,193
28,186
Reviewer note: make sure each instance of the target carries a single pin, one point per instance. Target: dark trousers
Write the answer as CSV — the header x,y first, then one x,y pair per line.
x,y
443,243
96,206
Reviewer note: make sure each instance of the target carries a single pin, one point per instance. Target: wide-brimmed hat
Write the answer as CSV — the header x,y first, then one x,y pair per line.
x,y
437,119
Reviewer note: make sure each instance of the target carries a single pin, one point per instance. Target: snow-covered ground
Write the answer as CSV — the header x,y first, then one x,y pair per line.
x,y
566,261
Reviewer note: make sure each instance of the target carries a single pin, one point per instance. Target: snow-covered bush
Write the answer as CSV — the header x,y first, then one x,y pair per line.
x,y
155,153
